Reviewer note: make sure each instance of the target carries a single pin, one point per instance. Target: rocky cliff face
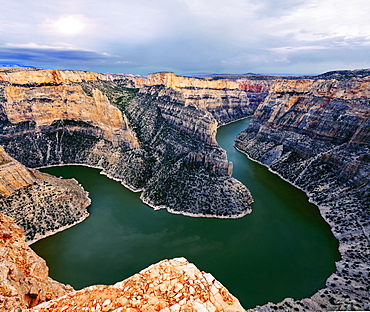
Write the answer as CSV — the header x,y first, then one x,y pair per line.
x,y
223,98
189,174
24,280
315,134
170,285
34,76
41,204
51,117
45,105
256,88
154,140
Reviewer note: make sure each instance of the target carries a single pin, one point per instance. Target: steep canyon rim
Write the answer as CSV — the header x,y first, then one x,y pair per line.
x,y
283,249
313,131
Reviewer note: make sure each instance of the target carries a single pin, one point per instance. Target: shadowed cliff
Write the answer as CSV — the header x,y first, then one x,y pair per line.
x,y
315,133
159,139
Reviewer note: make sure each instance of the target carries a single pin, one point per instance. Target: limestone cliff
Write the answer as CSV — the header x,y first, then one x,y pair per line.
x,y
315,133
14,176
256,87
58,117
47,104
41,204
24,280
171,80
225,99
170,285
190,173
153,140
34,76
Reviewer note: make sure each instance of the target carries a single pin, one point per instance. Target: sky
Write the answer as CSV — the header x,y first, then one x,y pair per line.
x,y
187,36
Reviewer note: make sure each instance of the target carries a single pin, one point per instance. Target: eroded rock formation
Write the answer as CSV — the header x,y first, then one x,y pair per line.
x,y
40,203
153,140
34,76
170,285
24,280
47,104
189,170
315,133
224,99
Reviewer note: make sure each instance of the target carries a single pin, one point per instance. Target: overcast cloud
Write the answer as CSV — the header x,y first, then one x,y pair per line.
x,y
187,36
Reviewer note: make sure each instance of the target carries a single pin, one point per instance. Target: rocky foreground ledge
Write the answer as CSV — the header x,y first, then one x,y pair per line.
x,y
24,276
170,285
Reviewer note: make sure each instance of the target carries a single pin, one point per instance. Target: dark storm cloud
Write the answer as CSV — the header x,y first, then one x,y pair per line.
x,y
48,55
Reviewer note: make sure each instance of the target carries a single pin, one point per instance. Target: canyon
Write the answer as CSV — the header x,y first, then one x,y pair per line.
x,y
157,135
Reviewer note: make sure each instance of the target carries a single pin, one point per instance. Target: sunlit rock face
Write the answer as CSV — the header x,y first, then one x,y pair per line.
x,y
24,280
256,89
222,98
170,285
315,133
41,204
159,139
45,105
34,76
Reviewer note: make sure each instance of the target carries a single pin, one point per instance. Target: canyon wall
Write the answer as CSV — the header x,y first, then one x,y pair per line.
x,y
176,119
225,99
39,203
157,136
35,76
24,280
159,139
315,133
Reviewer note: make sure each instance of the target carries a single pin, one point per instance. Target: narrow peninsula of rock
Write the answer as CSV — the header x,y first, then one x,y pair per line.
x,y
39,203
157,139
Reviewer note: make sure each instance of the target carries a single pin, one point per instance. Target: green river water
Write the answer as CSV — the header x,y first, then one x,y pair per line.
x,y
283,249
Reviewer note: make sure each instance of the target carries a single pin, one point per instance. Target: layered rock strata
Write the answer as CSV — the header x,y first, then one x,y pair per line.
x,y
190,173
225,99
315,133
170,285
35,76
151,140
41,204
24,280
256,88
